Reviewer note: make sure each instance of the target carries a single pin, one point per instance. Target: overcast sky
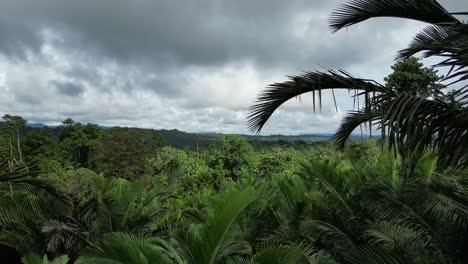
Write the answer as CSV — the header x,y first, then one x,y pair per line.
x,y
190,65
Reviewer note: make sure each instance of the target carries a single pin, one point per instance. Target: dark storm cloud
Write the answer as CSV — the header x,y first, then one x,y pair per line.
x,y
168,32
205,32
18,35
68,88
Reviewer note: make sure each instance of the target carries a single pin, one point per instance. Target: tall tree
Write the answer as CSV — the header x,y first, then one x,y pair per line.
x,y
79,142
410,121
40,142
233,154
16,123
125,151
410,76
40,147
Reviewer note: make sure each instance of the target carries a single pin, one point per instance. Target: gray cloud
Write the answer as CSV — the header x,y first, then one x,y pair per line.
x,y
68,88
175,34
201,32
192,65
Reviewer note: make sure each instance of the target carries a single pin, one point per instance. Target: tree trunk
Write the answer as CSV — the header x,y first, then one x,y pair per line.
x,y
19,146
11,149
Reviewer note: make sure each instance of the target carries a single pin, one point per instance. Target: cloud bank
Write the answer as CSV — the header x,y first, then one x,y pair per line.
x,y
192,65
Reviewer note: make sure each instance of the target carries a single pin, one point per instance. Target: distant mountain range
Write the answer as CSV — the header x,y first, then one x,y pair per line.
x,y
36,125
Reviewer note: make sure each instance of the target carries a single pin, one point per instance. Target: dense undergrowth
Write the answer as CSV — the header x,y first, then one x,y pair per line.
x,y
313,205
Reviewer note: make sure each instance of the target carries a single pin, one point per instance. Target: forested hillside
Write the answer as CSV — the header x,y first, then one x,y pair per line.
x,y
123,196
181,139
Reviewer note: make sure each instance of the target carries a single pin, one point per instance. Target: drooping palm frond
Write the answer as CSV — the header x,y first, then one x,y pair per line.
x,y
316,82
352,121
65,237
122,248
433,40
412,123
447,37
356,11
170,248
373,254
448,42
336,235
403,240
403,210
23,196
446,202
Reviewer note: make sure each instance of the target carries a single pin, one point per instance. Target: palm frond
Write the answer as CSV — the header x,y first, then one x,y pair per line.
x,y
329,234
356,11
215,238
124,248
277,94
330,180
372,254
352,121
23,196
415,123
287,254
446,42
404,240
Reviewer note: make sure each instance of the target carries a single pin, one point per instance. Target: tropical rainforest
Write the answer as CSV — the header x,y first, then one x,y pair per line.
x,y
81,193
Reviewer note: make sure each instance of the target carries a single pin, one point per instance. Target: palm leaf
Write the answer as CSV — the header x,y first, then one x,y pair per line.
x,y
215,239
122,248
371,254
352,121
356,11
446,41
413,124
277,94
24,197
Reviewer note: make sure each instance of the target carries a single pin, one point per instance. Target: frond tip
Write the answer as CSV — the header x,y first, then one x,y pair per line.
x,y
356,11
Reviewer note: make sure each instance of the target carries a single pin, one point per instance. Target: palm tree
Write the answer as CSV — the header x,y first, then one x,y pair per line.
x,y
212,242
216,240
23,196
122,248
380,214
114,205
409,122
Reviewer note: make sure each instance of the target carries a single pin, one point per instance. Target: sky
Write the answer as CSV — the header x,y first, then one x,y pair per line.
x,y
195,66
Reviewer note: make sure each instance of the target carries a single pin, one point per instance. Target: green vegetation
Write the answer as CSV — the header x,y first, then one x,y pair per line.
x,y
83,194
231,203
